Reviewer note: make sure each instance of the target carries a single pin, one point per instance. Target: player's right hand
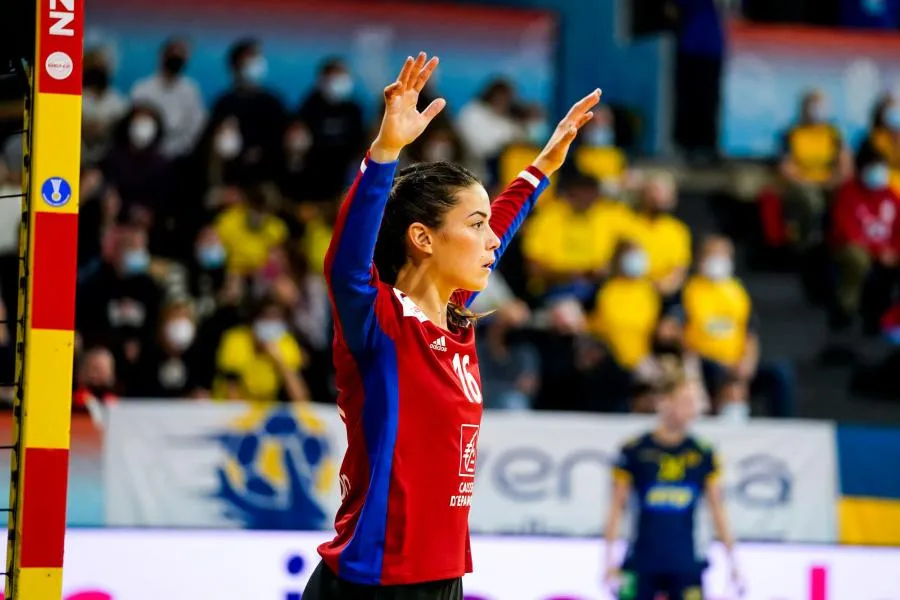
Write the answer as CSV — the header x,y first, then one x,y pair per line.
x,y
402,122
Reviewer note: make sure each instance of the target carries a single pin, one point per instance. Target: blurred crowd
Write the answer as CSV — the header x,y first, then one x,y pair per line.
x,y
203,231
832,212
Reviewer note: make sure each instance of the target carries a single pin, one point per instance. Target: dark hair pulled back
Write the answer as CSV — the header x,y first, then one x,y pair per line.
x,y
422,193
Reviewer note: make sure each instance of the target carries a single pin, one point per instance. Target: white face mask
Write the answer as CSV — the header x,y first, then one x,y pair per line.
x,y
634,264
229,143
255,69
142,131
180,333
717,268
338,87
269,330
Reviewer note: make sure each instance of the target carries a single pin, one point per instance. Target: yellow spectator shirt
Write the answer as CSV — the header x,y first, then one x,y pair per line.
x,y
564,240
248,248
883,141
717,317
601,162
513,159
598,162
625,317
665,239
314,244
815,149
239,359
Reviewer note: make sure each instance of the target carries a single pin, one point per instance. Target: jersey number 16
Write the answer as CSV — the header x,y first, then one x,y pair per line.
x,y
466,380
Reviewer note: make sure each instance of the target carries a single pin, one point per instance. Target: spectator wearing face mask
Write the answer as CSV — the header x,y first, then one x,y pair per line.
x,y
599,156
259,115
865,239
102,108
262,361
336,123
720,327
814,162
884,136
625,317
135,166
176,97
250,231
222,161
118,303
166,368
206,271
665,238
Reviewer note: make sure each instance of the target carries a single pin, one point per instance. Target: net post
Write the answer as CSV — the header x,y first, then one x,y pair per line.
x,y
45,335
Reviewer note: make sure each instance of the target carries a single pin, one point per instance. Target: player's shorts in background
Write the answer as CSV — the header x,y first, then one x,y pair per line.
x,y
325,585
641,586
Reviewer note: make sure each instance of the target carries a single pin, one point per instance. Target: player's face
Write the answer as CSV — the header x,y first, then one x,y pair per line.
x,y
465,244
682,406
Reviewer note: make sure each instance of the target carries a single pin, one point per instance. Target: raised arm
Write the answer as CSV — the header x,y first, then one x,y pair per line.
x,y
349,270
512,206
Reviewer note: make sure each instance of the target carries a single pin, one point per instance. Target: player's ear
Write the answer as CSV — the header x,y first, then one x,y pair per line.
x,y
421,238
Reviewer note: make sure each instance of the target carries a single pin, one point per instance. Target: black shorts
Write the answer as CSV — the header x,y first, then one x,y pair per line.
x,y
643,586
325,585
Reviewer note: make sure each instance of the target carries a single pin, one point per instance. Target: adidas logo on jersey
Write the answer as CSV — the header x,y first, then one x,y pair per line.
x,y
439,344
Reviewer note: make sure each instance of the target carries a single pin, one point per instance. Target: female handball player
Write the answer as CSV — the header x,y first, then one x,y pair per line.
x,y
409,251
666,473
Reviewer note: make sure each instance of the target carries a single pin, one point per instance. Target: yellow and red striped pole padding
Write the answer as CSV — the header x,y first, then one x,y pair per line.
x,y
54,150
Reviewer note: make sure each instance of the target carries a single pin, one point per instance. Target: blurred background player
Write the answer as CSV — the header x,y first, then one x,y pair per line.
x,y
665,474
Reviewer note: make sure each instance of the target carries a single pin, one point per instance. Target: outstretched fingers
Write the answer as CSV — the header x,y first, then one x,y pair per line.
x,y
582,106
425,73
432,110
583,119
413,71
405,73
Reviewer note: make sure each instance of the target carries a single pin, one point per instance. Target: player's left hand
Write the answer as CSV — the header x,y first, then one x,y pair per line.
x,y
554,153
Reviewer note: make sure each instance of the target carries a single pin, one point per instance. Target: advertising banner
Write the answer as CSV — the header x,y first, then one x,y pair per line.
x,y
276,467
549,474
189,565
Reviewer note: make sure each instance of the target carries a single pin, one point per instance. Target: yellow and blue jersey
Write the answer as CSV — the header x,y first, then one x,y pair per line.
x,y
667,485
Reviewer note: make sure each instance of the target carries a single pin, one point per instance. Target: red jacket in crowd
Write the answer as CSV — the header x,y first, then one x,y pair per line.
x,y
867,218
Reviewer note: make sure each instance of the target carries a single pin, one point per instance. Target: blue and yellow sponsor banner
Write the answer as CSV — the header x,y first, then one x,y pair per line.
x,y
869,508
